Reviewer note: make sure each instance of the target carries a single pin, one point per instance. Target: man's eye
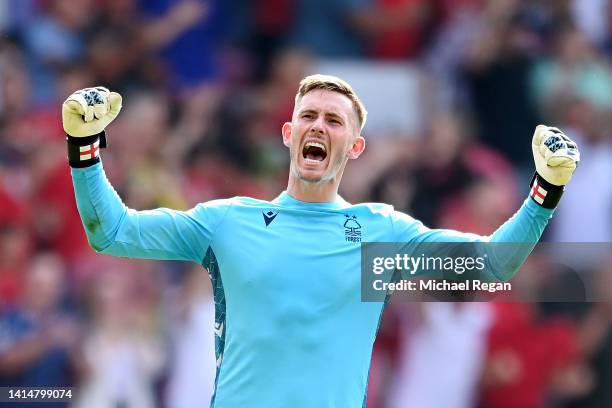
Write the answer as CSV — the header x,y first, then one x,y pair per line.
x,y
335,121
307,116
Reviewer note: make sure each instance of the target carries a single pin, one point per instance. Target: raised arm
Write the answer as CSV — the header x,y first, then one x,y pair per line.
x,y
111,227
556,157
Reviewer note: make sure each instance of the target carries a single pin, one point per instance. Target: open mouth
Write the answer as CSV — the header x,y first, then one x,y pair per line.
x,y
314,151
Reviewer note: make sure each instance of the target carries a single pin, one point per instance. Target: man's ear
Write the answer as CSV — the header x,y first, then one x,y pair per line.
x,y
286,131
357,148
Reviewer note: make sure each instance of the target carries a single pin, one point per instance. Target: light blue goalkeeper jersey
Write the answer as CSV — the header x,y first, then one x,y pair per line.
x,y
291,330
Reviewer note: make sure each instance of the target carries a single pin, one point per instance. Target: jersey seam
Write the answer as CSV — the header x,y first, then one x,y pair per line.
x,y
218,271
214,232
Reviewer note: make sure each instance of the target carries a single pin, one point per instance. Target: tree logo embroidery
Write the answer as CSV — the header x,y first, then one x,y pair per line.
x,y
352,229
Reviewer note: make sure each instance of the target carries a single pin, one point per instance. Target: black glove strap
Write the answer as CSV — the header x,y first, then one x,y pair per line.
x,y
543,193
84,151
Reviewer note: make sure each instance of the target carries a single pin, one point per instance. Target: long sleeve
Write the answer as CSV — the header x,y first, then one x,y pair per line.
x,y
510,246
114,229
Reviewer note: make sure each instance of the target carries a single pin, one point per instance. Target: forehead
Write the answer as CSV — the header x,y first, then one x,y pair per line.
x,y
321,100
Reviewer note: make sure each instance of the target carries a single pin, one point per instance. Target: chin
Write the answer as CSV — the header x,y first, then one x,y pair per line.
x,y
309,177
309,173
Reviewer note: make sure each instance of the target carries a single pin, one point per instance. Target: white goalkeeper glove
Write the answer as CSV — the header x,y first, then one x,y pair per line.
x,y
556,157
89,111
85,115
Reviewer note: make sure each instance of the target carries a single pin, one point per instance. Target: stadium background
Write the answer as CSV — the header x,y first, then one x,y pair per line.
x,y
454,89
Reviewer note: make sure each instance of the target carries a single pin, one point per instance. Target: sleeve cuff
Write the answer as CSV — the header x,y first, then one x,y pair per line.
x,y
85,151
543,193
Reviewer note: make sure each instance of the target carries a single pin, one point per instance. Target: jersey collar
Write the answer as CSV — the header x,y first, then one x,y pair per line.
x,y
285,200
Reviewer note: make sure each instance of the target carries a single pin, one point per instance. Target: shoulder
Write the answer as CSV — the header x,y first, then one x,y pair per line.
x,y
236,202
385,213
378,210
213,212
397,224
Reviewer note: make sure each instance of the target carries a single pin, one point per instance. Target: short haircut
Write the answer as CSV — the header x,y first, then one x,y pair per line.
x,y
333,84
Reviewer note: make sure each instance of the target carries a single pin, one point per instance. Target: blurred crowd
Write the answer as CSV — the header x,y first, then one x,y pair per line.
x,y
206,86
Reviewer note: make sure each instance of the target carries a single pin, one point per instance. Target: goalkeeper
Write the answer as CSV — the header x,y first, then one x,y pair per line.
x,y
290,328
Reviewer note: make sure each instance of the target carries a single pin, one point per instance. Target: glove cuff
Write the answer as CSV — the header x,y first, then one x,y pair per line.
x,y
84,151
544,193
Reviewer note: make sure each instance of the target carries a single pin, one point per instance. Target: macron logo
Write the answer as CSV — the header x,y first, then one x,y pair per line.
x,y
269,217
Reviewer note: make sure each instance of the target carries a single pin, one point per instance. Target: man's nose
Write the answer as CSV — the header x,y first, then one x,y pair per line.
x,y
317,127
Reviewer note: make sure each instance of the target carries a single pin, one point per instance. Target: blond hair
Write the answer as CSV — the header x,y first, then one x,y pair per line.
x,y
333,84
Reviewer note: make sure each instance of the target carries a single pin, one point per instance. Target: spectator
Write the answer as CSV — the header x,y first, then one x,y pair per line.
x,y
445,351
39,341
190,36
122,351
192,375
575,70
596,339
454,181
577,220
397,28
328,28
54,40
497,70
528,357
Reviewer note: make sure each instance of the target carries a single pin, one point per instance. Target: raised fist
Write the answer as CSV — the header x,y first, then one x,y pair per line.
x,y
555,155
88,111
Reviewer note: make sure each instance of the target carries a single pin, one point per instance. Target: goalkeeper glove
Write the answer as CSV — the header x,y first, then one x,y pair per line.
x,y
556,157
85,115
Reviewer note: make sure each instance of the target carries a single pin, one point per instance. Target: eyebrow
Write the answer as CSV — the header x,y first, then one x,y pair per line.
x,y
332,114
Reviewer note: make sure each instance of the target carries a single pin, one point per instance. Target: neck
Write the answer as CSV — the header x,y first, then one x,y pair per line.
x,y
312,192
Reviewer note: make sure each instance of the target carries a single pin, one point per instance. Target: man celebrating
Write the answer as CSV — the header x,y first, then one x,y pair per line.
x,y
290,328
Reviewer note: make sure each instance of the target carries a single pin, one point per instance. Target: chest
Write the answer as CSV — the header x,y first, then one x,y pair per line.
x,y
271,251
